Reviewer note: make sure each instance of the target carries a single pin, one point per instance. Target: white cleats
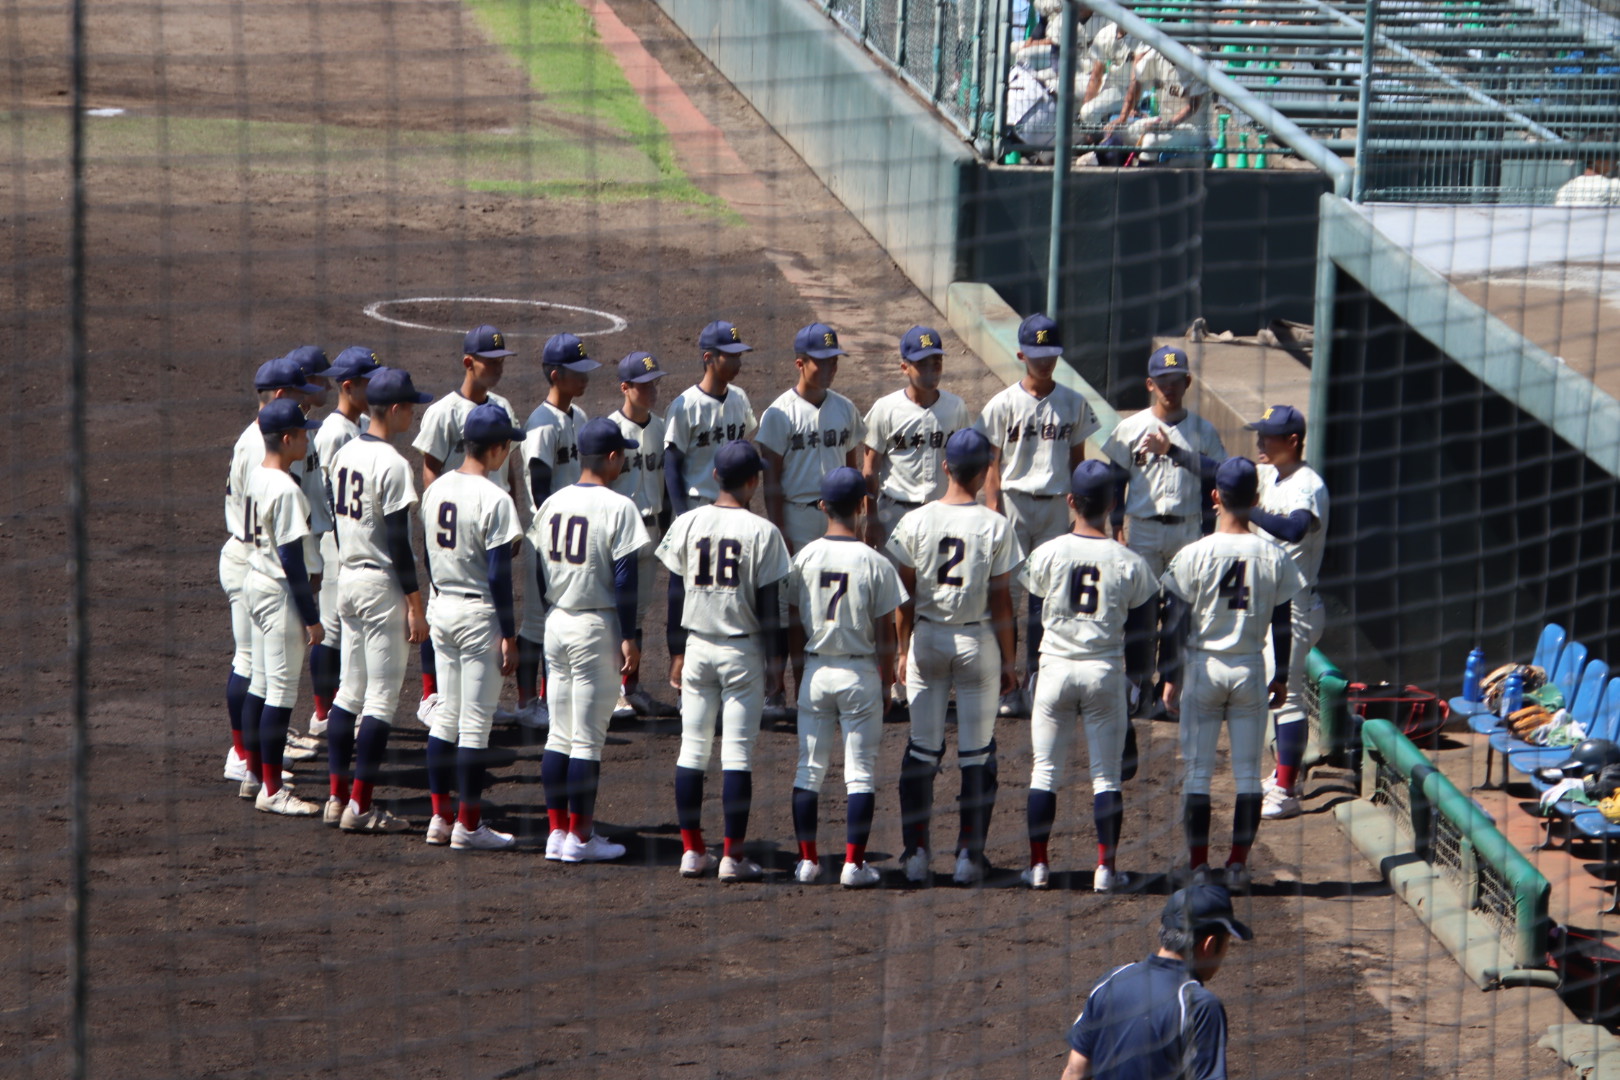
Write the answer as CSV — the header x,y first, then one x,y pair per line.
x,y
733,870
375,820
235,767
332,812
439,831
915,866
296,753
695,864
1269,782
1012,704
969,871
317,726
596,849
1277,805
296,741
808,872
534,715
425,708
554,844
249,788
1038,876
1104,880
897,693
859,876
482,838
284,802
623,710
1236,878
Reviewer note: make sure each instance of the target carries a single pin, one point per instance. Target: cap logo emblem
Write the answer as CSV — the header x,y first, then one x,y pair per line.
x,y
373,358
734,336
1040,337
647,362
927,341
582,350
496,338
829,339
1269,410
1170,361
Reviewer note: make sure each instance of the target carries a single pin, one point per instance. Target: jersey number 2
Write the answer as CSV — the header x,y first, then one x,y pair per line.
x,y
1234,585
957,550
573,540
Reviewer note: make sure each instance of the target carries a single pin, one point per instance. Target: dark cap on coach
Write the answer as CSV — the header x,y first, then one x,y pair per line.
x,y
967,448
1279,420
842,485
393,386
736,462
489,423
283,373
721,336
640,367
1092,481
487,342
818,341
283,414
1168,360
920,343
1039,338
1238,481
1203,907
567,351
602,436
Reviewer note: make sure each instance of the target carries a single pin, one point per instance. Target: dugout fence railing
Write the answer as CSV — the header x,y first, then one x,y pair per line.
x,y
1333,738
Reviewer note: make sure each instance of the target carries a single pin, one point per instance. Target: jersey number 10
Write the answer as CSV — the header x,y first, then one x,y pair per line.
x,y
573,539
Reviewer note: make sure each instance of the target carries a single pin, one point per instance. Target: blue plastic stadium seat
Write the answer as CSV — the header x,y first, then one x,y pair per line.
x,y
1526,757
1548,647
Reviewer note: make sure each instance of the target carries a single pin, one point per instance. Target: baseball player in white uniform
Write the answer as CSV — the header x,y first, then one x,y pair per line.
x,y
1091,584
905,441
471,525
550,462
439,437
379,601
955,559
642,482
725,564
844,592
1039,429
349,374
1112,56
701,420
1223,593
1293,509
807,432
586,538
275,379
280,599
1166,455
311,476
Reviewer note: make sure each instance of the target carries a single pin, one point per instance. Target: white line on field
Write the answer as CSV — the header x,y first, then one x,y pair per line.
x,y
615,323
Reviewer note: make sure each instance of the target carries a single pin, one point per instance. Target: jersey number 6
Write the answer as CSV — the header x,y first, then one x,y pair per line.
x,y
1083,596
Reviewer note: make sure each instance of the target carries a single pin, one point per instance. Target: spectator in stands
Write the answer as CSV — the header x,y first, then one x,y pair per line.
x,y
1165,109
1595,187
1112,59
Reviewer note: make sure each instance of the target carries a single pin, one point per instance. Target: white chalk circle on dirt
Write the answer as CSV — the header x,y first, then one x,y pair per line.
x,y
615,324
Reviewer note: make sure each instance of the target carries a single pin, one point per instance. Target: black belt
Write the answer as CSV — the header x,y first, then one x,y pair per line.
x,y
1032,495
450,592
811,505
649,516
900,502
938,622
1167,519
367,566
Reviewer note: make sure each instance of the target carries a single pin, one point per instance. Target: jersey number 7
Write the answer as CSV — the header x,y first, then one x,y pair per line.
x,y
828,580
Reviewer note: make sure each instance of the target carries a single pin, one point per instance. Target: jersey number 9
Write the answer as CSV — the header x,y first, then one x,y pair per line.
x,y
447,526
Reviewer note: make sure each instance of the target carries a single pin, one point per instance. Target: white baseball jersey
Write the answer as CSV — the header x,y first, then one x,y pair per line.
x,y
642,481
279,513
912,442
723,554
1115,50
328,439
1232,583
1304,490
1089,584
246,456
441,426
372,480
698,425
464,517
311,476
840,586
553,439
1176,88
577,535
812,440
956,550
1034,436
1158,485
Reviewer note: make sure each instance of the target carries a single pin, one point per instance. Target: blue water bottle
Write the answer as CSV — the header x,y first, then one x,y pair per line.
x,y
1512,694
1473,672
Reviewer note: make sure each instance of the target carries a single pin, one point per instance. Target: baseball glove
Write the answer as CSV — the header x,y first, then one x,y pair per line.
x,y
1534,678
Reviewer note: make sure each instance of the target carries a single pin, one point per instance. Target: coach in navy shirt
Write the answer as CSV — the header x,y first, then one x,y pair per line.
x,y
1154,1020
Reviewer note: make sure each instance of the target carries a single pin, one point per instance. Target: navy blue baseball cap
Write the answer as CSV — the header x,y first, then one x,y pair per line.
x,y
355,362
283,414
1203,907
283,373
968,447
311,360
567,351
843,485
602,436
1237,479
736,461
1039,338
393,386
818,341
920,342
1168,360
640,367
485,341
721,336
1091,480
1279,420
489,423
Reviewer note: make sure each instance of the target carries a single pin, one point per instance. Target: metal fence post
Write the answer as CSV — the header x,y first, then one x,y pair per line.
x,y
1063,141
975,89
1000,46
901,12
939,51
865,19
1364,101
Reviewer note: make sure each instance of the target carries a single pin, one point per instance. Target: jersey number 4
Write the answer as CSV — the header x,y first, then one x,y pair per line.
x,y
572,546
341,506
730,557
1234,586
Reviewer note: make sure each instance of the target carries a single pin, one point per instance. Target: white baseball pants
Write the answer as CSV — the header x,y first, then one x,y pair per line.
x,y
467,642
278,640
839,692
376,642
532,625
1094,689
1308,626
1222,688
721,673
583,660
943,656
331,622
1036,519
233,568
1158,541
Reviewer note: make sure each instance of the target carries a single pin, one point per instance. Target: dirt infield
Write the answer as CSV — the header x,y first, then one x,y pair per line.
x,y
228,943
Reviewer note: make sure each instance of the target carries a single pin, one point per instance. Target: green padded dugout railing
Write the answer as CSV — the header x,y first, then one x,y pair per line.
x,y
1327,707
1449,831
